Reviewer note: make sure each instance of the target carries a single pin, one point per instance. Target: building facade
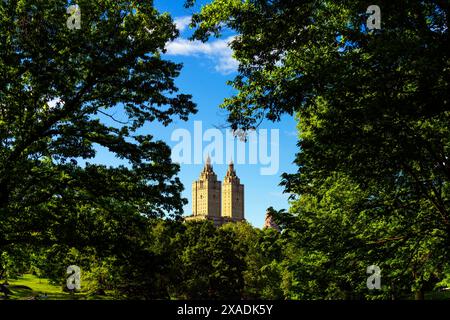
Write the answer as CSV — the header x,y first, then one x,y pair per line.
x,y
206,193
216,201
232,195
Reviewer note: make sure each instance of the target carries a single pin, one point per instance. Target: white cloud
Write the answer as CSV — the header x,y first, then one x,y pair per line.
x,y
218,51
183,22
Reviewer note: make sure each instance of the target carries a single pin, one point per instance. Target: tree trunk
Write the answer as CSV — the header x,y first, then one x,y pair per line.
x,y
419,295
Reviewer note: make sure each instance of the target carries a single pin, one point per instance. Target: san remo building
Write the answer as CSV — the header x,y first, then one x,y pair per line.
x,y
216,201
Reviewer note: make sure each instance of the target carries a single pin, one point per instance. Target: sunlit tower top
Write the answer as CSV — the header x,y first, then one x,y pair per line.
x,y
233,195
206,193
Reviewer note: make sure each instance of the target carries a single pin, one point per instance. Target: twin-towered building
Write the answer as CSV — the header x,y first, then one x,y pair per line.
x,y
216,201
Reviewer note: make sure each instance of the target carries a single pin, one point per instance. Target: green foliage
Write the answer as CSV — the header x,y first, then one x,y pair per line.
x,y
59,92
176,260
212,262
235,261
373,185
373,112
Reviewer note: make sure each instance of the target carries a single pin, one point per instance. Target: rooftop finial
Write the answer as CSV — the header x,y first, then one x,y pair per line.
x,y
208,160
230,171
231,166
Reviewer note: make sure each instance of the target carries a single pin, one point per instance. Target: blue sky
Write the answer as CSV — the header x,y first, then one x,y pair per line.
x,y
207,67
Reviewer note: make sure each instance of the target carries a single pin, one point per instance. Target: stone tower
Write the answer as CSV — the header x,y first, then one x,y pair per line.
x,y
206,193
233,195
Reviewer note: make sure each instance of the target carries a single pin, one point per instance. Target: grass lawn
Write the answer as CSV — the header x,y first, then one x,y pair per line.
x,y
29,287
436,295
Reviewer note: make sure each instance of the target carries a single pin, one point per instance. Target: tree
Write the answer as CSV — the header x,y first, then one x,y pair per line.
x,y
373,107
65,91
262,260
212,263
151,267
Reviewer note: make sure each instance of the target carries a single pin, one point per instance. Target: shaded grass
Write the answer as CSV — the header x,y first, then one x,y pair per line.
x,y
437,295
30,287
